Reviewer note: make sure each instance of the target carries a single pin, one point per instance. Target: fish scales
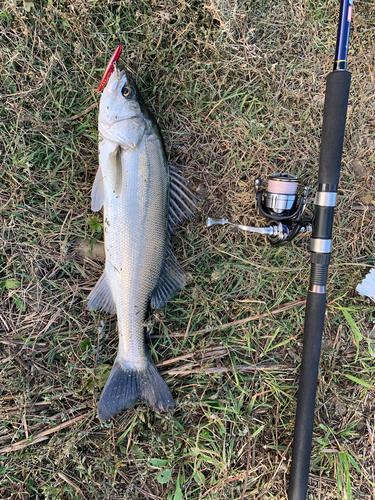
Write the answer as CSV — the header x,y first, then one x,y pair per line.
x,y
135,228
143,200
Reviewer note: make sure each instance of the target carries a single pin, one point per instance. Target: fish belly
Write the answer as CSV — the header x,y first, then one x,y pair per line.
x,y
135,229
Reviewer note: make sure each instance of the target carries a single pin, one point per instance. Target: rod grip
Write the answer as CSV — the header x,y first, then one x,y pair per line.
x,y
312,340
334,118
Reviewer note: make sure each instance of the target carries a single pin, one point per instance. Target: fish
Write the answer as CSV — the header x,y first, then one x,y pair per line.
x,y
144,198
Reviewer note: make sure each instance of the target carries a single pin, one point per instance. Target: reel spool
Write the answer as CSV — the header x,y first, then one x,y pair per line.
x,y
280,199
280,203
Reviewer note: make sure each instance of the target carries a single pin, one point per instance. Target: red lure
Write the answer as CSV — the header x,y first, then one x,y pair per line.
x,y
110,67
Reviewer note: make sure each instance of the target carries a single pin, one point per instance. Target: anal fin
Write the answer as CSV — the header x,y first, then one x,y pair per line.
x,y
100,296
172,280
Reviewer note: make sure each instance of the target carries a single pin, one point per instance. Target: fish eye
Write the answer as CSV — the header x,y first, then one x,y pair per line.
x,y
127,92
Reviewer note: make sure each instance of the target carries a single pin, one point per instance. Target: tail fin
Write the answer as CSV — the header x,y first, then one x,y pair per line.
x,y
125,385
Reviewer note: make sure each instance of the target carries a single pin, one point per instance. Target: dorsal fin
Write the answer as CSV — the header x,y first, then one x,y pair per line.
x,y
182,204
171,280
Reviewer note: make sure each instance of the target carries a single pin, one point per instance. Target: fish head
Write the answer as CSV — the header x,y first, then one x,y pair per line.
x,y
119,100
121,116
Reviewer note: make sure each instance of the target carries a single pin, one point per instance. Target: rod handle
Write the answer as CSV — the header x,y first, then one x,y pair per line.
x,y
335,109
312,340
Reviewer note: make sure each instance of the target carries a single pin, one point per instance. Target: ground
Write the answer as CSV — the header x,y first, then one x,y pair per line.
x,y
238,90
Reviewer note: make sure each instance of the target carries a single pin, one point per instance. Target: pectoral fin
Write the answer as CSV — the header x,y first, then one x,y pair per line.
x,y
117,164
97,193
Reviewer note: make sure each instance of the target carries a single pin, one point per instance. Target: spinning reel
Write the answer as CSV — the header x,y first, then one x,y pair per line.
x,y
280,203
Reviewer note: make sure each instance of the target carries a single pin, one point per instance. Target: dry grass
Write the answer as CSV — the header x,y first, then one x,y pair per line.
x,y
238,90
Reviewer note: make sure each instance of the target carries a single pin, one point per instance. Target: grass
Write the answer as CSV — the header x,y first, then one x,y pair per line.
x,y
238,90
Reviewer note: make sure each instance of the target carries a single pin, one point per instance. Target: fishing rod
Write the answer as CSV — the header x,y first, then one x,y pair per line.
x,y
280,203
334,119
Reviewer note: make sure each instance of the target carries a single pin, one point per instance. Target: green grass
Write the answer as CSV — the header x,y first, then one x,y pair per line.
x,y
237,88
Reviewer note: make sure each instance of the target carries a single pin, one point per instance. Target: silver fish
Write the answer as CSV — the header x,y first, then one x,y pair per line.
x,y
144,199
